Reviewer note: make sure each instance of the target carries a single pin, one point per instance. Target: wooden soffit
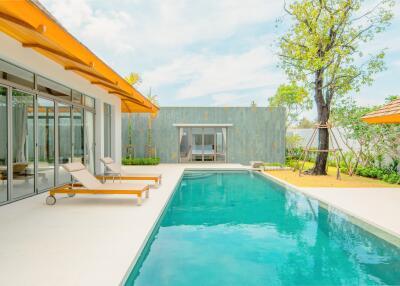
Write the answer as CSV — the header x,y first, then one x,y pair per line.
x,y
30,23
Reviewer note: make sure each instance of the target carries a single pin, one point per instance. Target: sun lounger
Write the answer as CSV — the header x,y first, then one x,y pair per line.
x,y
89,184
114,171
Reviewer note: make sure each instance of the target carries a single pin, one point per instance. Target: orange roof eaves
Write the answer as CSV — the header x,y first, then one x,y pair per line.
x,y
29,23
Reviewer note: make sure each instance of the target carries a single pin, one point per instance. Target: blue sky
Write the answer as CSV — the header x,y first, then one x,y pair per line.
x,y
203,53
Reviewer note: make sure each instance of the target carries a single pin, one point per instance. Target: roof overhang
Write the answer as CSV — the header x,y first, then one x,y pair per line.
x,y
389,113
29,23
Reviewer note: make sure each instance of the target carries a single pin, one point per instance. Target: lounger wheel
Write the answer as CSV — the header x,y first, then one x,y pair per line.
x,y
71,195
51,200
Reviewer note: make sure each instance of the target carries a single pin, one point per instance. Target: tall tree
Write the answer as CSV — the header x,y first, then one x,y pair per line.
x,y
133,79
150,150
294,98
323,49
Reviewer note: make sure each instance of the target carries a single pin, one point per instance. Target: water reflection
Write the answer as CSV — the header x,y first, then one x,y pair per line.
x,y
236,229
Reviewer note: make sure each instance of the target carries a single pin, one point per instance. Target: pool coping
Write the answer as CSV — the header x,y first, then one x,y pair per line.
x,y
366,224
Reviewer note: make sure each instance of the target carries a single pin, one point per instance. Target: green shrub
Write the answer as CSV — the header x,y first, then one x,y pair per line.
x,y
378,173
274,164
392,178
140,161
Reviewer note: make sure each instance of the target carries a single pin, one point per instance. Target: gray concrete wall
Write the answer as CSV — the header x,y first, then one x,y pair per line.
x,y
258,133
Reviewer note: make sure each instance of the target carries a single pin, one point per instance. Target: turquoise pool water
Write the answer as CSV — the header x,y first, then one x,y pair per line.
x,y
238,228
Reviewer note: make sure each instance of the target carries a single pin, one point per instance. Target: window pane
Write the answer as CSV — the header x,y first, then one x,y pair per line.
x,y
107,130
16,74
89,140
209,145
78,135
23,144
220,138
89,101
184,146
197,144
3,144
53,88
45,144
76,97
64,141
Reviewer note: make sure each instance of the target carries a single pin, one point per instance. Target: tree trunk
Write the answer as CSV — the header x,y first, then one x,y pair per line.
x,y
323,134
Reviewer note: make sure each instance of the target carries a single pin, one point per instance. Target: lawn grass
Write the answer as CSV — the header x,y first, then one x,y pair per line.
x,y
328,181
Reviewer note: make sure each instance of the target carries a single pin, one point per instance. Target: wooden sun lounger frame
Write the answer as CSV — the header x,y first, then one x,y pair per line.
x,y
156,179
77,188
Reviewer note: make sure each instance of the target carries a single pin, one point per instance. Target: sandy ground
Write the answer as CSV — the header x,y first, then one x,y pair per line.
x,y
330,180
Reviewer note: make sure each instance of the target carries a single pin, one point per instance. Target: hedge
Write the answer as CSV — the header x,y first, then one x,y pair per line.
x,y
140,161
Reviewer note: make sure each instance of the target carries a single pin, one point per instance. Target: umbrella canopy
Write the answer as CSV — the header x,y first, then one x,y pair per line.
x,y
389,113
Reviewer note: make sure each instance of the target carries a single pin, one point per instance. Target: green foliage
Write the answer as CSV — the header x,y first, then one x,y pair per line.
x,y
133,78
391,98
326,37
274,164
376,140
294,98
140,161
379,173
305,123
149,141
323,50
293,141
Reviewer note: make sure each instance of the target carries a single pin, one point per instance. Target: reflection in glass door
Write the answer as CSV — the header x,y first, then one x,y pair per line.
x,y
78,144
197,144
23,169
209,144
64,142
184,145
220,144
3,144
46,157
89,141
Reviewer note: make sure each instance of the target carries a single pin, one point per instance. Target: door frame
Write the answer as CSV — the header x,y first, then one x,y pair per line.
x,y
190,143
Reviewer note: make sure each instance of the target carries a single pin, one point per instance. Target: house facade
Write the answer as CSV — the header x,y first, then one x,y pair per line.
x,y
59,103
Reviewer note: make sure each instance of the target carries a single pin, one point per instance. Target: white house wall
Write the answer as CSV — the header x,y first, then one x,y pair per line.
x,y
13,52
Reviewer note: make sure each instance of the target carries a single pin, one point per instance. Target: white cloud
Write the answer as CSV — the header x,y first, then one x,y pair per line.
x,y
220,76
158,24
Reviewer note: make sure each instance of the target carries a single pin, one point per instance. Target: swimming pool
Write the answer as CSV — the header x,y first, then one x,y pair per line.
x,y
239,228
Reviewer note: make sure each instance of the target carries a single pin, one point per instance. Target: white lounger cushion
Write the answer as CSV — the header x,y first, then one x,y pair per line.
x,y
107,160
82,175
109,163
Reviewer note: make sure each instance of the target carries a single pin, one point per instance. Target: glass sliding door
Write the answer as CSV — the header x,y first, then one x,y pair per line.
x,y
220,144
197,144
64,142
46,150
3,144
184,145
202,144
23,139
78,141
89,141
107,130
209,144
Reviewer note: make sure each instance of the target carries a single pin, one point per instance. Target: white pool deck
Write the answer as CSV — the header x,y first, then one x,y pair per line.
x,y
93,240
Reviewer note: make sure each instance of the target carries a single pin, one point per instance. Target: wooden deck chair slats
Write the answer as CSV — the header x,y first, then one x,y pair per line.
x,y
116,172
89,184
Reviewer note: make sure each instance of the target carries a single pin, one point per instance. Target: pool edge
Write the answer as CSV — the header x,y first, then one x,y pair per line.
x,y
365,224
